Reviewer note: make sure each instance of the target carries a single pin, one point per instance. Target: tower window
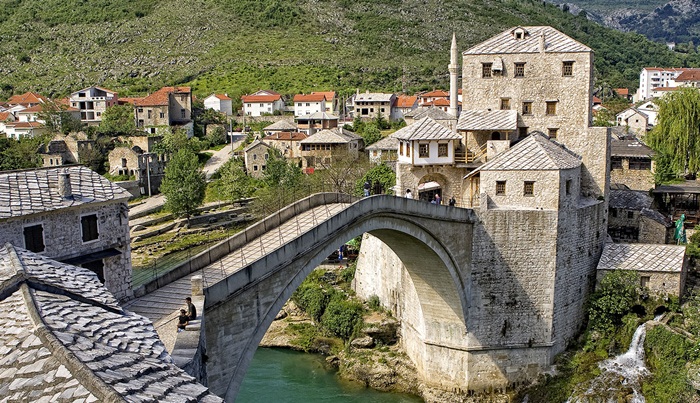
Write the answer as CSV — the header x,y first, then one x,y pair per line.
x,y
34,238
500,187
527,108
567,69
529,188
552,133
89,227
519,70
486,70
551,108
505,104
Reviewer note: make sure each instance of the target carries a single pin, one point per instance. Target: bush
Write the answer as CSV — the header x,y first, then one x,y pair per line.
x,y
312,299
612,300
667,354
348,273
374,303
342,317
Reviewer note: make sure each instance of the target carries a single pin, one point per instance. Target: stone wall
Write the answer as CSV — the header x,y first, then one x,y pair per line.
x,y
635,179
548,188
449,177
659,283
652,231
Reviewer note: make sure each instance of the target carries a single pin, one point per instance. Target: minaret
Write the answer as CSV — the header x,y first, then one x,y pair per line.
x,y
453,77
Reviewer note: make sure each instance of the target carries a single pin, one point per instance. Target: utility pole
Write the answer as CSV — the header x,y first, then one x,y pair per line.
x,y
148,173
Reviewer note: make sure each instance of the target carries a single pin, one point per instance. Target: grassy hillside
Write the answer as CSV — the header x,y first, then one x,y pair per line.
x,y
239,46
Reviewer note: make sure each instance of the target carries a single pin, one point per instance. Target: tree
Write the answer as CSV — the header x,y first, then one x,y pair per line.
x,y
341,174
175,140
381,175
614,298
20,154
676,137
57,119
234,182
371,134
118,120
183,184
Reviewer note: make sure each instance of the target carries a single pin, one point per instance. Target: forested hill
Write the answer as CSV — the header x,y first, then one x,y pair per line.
x,y
238,46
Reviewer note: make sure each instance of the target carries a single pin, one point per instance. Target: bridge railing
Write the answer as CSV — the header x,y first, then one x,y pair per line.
x,y
240,239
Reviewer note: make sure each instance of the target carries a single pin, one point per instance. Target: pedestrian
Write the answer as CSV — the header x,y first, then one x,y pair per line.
x,y
191,310
437,198
340,253
408,194
366,188
452,201
182,321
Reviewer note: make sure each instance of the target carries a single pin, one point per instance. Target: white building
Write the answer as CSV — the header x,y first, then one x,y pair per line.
x,y
426,142
262,103
650,109
220,103
92,103
653,78
309,104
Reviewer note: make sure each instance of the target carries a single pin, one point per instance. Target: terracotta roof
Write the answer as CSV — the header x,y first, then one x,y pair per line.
x,y
506,42
665,89
282,125
27,98
253,99
689,75
426,129
488,120
36,190
161,97
439,102
65,337
222,97
33,109
623,92
597,100
24,125
286,136
319,97
435,93
129,100
328,94
642,257
674,69
406,101
5,115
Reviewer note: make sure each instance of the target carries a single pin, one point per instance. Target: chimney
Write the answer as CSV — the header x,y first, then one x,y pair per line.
x,y
64,188
542,42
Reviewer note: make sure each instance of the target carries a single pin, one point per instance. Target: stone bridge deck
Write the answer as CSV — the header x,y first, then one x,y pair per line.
x,y
165,301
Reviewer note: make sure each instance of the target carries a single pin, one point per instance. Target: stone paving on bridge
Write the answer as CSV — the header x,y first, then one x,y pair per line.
x,y
161,305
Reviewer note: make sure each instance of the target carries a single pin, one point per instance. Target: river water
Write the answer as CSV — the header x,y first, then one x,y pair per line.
x,y
281,375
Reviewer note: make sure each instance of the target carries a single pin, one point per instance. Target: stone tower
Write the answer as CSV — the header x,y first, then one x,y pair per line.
x,y
453,67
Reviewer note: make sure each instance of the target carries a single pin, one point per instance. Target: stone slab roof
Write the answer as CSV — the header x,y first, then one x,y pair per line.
x,y
689,186
426,129
64,338
36,190
506,42
373,97
319,116
488,120
642,257
387,143
282,126
255,144
630,148
336,135
656,216
535,152
630,199
432,113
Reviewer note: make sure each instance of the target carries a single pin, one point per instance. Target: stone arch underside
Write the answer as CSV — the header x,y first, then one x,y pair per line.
x,y
237,322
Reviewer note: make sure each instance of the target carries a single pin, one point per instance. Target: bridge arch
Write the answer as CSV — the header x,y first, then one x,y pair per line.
x,y
432,241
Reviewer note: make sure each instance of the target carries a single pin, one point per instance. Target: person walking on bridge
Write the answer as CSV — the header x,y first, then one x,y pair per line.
x,y
366,188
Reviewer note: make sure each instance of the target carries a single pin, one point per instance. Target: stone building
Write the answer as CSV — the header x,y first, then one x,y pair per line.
x,y
536,173
634,120
370,105
255,158
281,126
147,168
322,147
384,151
632,219
167,107
287,143
631,164
65,338
64,150
661,268
70,214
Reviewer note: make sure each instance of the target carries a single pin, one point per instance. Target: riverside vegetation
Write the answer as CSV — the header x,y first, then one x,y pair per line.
x,y
237,47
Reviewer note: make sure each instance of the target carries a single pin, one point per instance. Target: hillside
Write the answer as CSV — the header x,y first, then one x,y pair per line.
x,y
239,46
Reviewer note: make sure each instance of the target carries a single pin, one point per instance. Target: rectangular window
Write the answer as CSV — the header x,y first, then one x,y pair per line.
x,y
182,113
34,238
408,149
529,188
486,70
630,214
500,187
505,104
640,165
162,115
423,150
644,281
615,163
139,110
89,226
552,133
567,69
255,167
551,108
568,187
527,108
400,148
442,150
519,70
149,113
308,104
614,212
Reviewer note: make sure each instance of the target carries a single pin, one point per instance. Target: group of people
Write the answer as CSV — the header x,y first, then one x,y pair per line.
x,y
436,199
186,315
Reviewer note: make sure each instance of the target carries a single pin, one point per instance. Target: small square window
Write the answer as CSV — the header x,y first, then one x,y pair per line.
x,y
551,108
423,150
552,133
527,108
519,70
500,187
529,188
567,69
630,214
486,70
442,150
615,163
89,226
505,104
255,167
34,238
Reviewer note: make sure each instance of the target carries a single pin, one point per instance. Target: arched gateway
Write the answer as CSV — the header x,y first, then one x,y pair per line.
x,y
433,242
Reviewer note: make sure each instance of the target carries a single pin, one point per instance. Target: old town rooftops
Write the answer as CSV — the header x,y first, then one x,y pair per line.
x,y
331,136
37,190
508,41
488,120
161,97
64,335
282,125
642,257
426,129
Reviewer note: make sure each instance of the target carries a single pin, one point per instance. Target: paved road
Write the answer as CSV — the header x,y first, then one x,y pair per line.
x,y
161,305
220,157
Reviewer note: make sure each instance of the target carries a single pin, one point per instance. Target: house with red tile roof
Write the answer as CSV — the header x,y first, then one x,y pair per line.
x,y
433,95
92,102
220,103
441,103
405,104
263,102
28,99
167,107
623,93
309,104
653,81
331,101
287,143
689,78
17,130
5,117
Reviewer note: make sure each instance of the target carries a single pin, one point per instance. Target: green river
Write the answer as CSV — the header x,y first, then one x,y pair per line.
x,y
281,375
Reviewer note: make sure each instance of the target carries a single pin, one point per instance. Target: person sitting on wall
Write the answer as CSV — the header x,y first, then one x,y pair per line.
x,y
408,194
452,201
182,321
191,310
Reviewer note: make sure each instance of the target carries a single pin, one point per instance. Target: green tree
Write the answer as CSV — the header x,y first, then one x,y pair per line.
x,y
371,134
118,120
381,174
183,184
235,184
57,119
676,137
20,154
175,140
614,298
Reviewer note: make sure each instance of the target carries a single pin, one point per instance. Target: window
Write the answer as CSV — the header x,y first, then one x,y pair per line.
x,y
374,153
408,149
640,165
644,281
529,188
255,167
183,97
139,110
614,212
486,70
568,187
308,104
500,187
423,150
400,148
162,115
630,214
255,156
123,162
552,133
567,69
442,150
267,156
519,70
89,226
505,103
299,104
527,108
182,113
81,95
615,163
140,124
551,108
149,113
34,238
248,105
